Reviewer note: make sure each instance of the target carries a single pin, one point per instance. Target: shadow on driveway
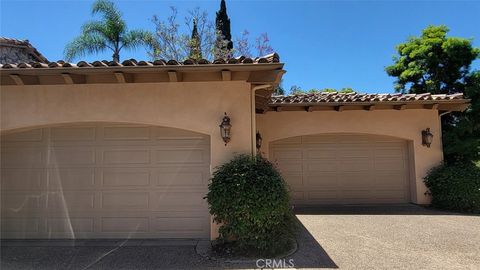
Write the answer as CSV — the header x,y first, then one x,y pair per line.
x,y
140,254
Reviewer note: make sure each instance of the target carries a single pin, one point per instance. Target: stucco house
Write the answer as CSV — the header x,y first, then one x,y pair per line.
x,y
126,150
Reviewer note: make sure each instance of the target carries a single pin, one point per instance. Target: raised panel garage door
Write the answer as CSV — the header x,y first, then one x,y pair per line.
x,y
343,169
104,181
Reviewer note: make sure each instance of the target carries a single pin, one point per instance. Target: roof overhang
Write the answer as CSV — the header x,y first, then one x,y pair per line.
x,y
454,102
255,73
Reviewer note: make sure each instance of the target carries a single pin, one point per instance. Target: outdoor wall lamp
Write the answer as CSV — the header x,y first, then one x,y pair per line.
x,y
258,141
427,137
225,128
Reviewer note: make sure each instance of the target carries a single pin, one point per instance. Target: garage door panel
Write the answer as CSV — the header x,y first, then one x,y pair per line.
x,y
321,166
126,133
125,199
294,181
22,179
326,152
64,200
390,180
289,141
192,156
324,180
322,196
71,179
126,156
71,224
73,134
22,158
182,178
345,168
106,181
20,225
290,167
179,224
389,152
355,152
316,139
287,154
357,180
34,135
391,164
356,165
125,177
181,200
124,224
24,201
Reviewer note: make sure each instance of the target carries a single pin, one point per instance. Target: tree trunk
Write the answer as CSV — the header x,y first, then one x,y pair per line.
x,y
116,56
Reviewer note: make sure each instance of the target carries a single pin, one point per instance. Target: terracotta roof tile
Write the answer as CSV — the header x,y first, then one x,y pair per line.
x,y
339,98
268,59
4,41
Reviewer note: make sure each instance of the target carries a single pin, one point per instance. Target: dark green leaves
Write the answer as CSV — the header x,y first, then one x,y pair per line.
x,y
250,198
455,187
432,62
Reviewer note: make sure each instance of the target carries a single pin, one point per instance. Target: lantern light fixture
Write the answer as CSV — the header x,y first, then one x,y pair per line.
x,y
427,137
225,128
258,141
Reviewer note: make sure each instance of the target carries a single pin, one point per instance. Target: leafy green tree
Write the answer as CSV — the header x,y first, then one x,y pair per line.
x,y
461,135
433,62
296,90
347,90
279,90
108,33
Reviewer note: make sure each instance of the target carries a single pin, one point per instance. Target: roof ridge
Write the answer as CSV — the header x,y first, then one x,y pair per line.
x,y
267,59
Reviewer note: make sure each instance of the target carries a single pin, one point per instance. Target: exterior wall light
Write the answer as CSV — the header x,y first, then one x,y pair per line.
x,y
258,141
427,137
225,128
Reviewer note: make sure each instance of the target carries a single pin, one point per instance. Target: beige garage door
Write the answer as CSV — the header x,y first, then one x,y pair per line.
x,y
343,169
104,181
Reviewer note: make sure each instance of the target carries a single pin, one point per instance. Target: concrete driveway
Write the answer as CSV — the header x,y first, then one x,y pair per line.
x,y
353,237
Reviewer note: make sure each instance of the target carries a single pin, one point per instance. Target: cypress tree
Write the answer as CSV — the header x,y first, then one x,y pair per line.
x,y
195,43
223,44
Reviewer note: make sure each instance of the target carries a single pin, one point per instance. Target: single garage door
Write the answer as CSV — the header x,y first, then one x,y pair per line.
x,y
343,169
104,181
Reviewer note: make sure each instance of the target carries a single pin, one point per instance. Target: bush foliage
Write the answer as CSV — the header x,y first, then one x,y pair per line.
x,y
250,199
455,187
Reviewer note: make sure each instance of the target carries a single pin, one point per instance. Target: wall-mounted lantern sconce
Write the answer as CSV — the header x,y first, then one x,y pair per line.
x,y
427,137
258,141
225,128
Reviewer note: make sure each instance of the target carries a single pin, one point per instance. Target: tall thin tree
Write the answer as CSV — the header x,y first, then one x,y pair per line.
x,y
195,43
108,33
223,44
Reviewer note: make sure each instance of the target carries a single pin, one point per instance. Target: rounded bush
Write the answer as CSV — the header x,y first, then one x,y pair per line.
x,y
250,199
455,187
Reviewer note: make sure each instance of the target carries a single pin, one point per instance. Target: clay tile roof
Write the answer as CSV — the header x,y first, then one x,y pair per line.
x,y
349,98
12,42
267,59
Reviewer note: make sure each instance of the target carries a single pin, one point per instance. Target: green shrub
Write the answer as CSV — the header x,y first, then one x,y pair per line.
x,y
455,187
250,199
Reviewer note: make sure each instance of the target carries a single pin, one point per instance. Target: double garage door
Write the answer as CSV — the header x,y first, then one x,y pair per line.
x,y
343,169
104,181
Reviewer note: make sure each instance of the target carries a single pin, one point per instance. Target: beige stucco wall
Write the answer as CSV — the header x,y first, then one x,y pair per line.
x,y
194,106
405,124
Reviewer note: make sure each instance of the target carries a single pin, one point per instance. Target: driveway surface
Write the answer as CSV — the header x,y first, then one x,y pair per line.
x,y
353,237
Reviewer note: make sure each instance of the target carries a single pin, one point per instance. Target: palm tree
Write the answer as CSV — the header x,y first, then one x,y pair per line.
x,y
109,33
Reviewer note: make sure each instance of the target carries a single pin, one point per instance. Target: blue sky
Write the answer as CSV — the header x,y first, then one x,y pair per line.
x,y
330,44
